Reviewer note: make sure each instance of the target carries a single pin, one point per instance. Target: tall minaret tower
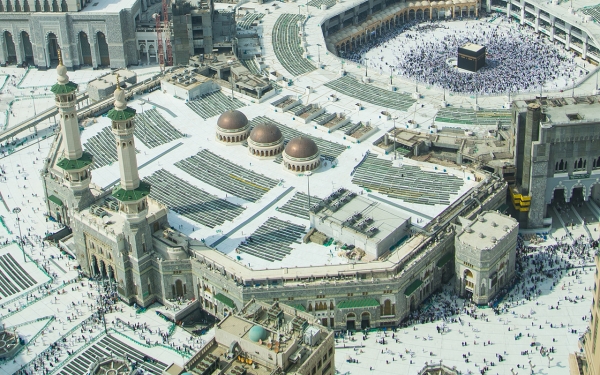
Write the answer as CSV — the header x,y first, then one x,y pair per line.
x,y
133,205
131,192
74,162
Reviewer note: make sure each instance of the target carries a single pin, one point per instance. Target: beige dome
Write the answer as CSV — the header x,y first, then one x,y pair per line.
x,y
301,148
232,120
265,133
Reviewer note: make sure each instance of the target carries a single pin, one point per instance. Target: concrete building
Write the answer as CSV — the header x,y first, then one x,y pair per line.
x,y
485,255
556,154
187,84
104,86
266,339
359,221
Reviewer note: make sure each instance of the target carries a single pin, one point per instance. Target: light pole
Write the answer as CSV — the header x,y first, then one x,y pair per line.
x,y
319,53
33,100
16,211
366,67
141,103
395,132
391,75
308,183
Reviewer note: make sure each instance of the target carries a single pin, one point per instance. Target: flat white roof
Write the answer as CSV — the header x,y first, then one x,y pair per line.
x,y
385,217
485,228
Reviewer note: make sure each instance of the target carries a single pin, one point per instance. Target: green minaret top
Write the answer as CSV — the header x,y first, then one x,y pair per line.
x,y
62,85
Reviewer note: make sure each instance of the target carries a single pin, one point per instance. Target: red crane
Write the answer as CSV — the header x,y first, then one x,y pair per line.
x,y
161,53
165,9
160,26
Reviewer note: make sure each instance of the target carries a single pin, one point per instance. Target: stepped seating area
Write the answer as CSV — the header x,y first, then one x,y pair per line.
x,y
322,117
248,19
593,11
13,278
329,150
345,128
272,240
251,65
468,116
102,146
106,347
297,108
226,176
358,130
298,205
189,201
367,93
286,43
213,104
153,130
318,3
409,183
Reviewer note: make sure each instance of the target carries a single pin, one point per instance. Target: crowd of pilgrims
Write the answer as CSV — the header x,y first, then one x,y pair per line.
x,y
553,266
102,299
534,266
516,60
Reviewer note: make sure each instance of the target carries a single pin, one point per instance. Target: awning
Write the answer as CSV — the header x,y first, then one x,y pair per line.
x,y
357,303
412,287
54,199
445,259
225,300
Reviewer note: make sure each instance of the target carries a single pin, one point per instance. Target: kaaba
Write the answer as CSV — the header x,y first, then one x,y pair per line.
x,y
471,57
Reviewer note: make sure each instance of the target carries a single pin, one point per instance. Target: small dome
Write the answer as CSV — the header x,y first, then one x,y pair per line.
x,y
301,148
265,133
232,120
257,333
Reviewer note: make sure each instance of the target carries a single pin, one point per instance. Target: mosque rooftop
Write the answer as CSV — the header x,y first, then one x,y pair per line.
x,y
565,110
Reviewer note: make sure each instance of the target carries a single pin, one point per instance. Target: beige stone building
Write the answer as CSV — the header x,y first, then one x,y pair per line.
x,y
265,339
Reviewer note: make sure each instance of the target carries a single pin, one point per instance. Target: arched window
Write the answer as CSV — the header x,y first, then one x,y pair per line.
x,y
387,307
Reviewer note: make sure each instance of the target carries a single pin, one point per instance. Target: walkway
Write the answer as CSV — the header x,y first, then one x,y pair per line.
x,y
242,224
160,106
403,208
146,163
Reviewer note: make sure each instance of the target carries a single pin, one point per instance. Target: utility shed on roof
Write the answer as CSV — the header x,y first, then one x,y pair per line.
x,y
356,220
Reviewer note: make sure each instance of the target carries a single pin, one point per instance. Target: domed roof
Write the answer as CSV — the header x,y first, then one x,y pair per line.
x,y
257,333
232,120
265,133
301,148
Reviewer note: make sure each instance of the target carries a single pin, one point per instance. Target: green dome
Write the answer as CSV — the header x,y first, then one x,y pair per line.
x,y
257,333
187,373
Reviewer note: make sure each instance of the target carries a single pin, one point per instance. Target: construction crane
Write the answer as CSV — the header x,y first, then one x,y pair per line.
x,y
165,9
161,53
166,27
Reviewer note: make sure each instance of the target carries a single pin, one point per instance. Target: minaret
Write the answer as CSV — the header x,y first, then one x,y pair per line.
x,y
133,205
74,162
131,192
